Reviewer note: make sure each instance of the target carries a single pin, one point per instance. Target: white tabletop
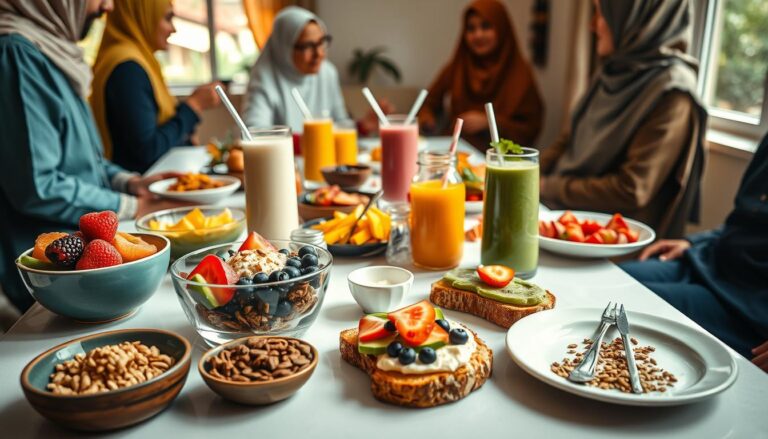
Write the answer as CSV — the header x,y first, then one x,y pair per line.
x,y
337,401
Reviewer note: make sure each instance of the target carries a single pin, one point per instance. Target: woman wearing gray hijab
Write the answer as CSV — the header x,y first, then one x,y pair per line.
x,y
635,144
294,57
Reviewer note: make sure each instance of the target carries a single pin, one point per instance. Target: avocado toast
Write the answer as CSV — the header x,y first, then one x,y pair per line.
x,y
463,290
417,358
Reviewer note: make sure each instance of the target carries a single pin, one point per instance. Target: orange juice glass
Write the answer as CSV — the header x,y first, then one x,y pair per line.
x,y
317,147
437,212
345,139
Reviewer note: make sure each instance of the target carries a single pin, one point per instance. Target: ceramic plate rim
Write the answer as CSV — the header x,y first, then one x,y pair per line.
x,y
637,319
636,225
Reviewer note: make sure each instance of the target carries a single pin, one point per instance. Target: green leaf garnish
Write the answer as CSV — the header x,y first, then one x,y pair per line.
x,y
506,146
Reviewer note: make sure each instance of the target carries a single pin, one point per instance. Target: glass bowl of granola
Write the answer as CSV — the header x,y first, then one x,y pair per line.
x,y
256,287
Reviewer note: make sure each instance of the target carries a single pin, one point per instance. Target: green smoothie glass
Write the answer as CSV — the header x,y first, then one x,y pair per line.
x,y
511,211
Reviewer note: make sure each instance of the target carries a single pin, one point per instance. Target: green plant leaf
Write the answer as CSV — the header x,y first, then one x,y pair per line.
x,y
506,146
389,66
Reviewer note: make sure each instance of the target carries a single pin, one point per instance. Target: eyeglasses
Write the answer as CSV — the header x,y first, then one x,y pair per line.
x,y
315,47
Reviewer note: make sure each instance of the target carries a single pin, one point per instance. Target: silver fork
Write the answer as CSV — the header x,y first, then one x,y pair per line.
x,y
585,371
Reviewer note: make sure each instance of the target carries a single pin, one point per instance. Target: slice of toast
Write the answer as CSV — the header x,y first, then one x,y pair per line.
x,y
424,390
502,314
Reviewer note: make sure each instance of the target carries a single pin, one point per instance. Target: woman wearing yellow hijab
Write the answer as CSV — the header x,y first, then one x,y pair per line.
x,y
138,118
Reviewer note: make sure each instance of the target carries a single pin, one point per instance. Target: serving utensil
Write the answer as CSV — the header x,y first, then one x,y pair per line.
x,y
623,325
585,371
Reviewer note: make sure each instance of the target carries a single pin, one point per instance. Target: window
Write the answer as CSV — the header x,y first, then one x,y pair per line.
x,y
734,54
189,60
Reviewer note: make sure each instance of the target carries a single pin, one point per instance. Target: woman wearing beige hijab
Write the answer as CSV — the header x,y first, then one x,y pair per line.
x,y
636,139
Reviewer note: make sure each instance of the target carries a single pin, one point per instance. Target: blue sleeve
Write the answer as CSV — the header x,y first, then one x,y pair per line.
x,y
32,150
701,237
137,140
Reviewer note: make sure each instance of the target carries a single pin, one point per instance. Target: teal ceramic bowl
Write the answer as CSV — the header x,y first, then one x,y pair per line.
x,y
99,294
117,408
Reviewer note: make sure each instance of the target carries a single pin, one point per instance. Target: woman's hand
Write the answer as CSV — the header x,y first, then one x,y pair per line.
x,y
474,121
761,356
204,97
667,249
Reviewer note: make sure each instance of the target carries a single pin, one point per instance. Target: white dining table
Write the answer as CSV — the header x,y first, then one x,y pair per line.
x,y
337,401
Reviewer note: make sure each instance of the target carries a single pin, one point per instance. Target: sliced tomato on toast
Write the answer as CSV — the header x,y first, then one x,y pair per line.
x,y
414,323
496,276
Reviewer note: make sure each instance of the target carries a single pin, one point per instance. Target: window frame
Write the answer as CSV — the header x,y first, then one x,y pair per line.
x,y
707,28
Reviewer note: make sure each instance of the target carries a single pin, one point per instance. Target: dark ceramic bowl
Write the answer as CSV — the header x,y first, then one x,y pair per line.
x,y
99,294
347,176
255,393
117,408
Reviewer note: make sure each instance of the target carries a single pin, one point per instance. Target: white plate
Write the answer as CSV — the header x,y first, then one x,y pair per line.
x,y
702,365
203,196
473,207
646,235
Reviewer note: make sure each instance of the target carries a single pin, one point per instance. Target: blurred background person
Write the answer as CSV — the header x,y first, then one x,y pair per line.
x,y
137,116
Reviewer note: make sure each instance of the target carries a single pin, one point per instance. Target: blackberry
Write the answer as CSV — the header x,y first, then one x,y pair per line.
x,y
64,252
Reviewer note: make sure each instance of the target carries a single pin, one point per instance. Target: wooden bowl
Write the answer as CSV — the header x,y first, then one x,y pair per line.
x,y
347,176
259,392
117,408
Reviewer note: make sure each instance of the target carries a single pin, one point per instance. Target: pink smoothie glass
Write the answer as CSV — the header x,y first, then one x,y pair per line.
x,y
399,157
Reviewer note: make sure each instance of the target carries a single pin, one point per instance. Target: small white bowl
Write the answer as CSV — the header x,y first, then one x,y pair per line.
x,y
379,288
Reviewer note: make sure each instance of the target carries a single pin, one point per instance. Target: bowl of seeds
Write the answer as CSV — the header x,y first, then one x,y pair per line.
x,y
108,380
258,370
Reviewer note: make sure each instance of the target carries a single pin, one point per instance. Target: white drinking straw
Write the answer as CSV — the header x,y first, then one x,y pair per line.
x,y
300,102
416,106
233,112
454,144
375,105
492,122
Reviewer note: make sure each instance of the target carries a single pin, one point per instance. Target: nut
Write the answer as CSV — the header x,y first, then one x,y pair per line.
x,y
261,359
612,372
109,368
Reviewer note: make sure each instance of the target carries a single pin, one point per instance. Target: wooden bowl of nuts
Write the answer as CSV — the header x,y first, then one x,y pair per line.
x,y
108,380
258,370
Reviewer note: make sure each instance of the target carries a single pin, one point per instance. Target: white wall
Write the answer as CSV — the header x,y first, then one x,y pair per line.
x,y
421,36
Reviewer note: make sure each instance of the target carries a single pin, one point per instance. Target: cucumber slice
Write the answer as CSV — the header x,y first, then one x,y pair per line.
x,y
206,295
439,314
381,315
376,347
37,264
433,341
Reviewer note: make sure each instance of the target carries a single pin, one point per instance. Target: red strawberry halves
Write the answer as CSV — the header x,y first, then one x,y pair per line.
x,y
98,254
99,225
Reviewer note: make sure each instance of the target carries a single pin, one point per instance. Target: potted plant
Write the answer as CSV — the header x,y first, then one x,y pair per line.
x,y
365,61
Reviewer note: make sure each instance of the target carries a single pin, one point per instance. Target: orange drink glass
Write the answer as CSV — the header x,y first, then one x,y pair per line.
x,y
317,147
437,212
345,139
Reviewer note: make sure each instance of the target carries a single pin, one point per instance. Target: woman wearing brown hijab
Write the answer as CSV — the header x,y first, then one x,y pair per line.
x,y
635,144
486,67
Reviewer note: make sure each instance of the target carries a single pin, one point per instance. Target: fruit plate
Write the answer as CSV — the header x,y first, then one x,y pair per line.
x,y
202,196
348,250
702,365
308,211
646,235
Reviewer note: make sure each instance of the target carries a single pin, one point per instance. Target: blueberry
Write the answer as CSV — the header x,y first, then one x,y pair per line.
x,y
309,260
427,355
407,356
307,250
394,349
244,281
443,324
278,276
310,269
293,272
260,278
230,308
284,308
389,326
231,252
270,297
285,251
458,336
293,262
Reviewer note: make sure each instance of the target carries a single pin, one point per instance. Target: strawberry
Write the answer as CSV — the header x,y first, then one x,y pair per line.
x,y
97,254
99,225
